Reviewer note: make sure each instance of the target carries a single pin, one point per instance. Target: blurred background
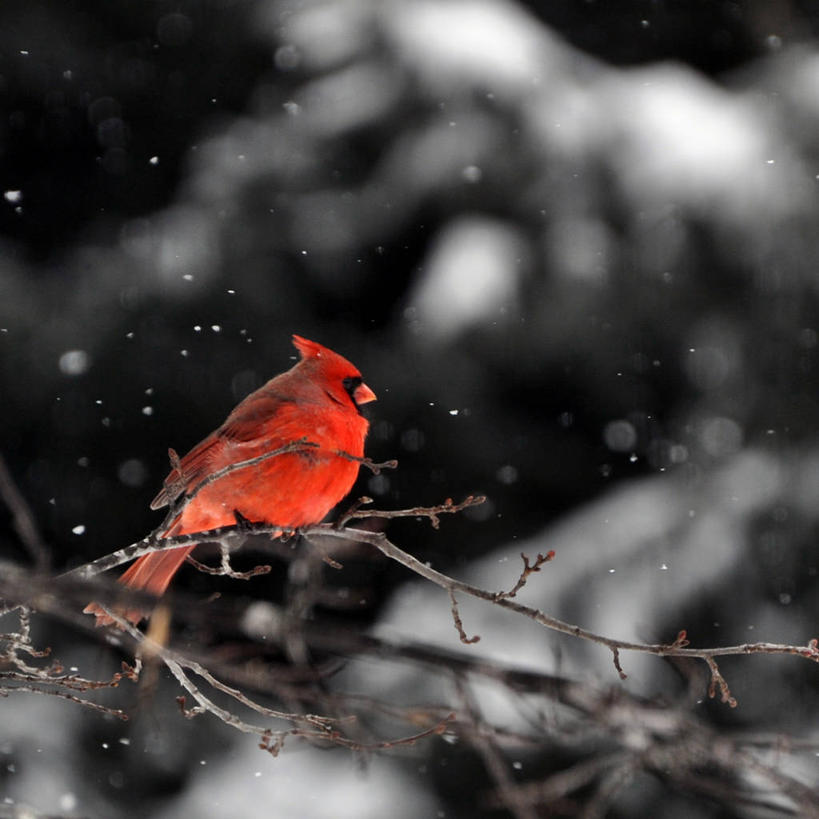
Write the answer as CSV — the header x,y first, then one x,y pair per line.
x,y
573,248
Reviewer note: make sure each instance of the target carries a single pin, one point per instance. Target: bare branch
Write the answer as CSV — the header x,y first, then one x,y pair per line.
x,y
206,705
309,726
809,651
561,784
485,743
65,695
669,743
179,500
437,729
679,648
154,542
175,486
19,676
23,519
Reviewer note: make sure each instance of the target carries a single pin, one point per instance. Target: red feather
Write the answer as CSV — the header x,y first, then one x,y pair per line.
x,y
317,400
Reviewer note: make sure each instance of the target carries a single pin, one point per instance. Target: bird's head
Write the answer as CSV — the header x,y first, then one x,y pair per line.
x,y
340,379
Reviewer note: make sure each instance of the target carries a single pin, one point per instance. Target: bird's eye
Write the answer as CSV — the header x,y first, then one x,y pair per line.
x,y
351,384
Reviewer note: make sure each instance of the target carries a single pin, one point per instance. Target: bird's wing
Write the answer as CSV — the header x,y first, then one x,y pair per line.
x,y
258,423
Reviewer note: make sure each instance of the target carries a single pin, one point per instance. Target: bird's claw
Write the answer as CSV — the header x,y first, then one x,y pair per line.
x,y
242,523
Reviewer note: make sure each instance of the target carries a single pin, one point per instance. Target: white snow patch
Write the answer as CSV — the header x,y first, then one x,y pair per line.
x,y
470,277
488,42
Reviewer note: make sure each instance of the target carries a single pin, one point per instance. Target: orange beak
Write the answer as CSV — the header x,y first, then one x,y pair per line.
x,y
362,394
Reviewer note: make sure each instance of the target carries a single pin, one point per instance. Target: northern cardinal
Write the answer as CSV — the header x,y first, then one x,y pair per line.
x,y
318,400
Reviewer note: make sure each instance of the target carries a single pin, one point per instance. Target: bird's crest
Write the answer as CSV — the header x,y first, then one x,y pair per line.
x,y
307,348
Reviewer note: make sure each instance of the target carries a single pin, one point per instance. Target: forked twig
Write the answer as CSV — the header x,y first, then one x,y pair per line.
x,y
374,466
528,569
225,569
718,681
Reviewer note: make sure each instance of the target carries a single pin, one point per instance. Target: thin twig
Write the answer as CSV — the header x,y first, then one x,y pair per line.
x,y
369,463
65,695
437,729
23,519
456,617
619,668
431,512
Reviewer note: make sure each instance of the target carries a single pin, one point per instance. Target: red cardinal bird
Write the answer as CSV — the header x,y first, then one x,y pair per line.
x,y
317,400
